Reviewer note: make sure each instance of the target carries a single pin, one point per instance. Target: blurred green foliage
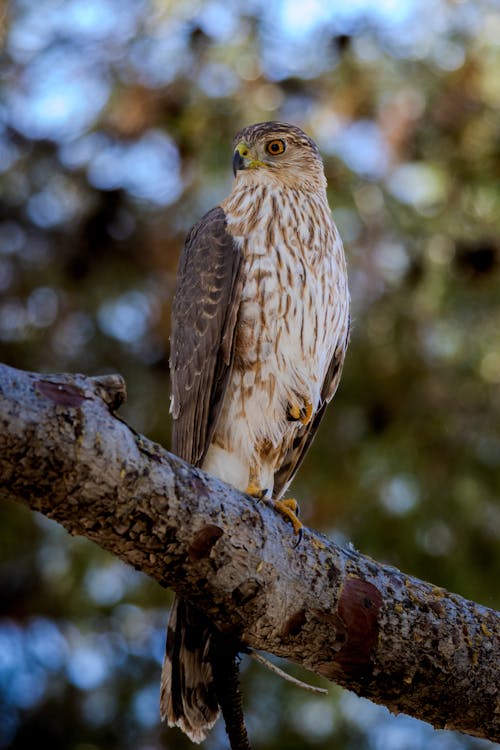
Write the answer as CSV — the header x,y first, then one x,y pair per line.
x,y
116,121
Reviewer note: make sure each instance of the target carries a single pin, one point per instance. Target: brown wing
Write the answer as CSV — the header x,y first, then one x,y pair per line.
x,y
204,317
296,453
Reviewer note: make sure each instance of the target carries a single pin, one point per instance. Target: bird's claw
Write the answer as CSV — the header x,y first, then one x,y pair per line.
x,y
289,509
296,413
299,537
256,492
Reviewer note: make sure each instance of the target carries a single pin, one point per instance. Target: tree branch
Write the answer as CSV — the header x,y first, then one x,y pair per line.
x,y
387,636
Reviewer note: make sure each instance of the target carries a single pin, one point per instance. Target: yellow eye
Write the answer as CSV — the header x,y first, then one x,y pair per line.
x,y
275,147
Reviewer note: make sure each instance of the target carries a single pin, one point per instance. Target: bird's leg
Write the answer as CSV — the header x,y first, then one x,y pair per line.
x,y
296,413
287,508
254,486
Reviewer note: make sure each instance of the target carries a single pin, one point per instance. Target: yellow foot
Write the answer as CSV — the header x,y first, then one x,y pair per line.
x,y
255,491
290,503
307,413
302,414
288,509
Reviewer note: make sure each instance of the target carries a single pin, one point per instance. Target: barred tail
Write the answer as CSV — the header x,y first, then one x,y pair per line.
x,y
200,677
187,694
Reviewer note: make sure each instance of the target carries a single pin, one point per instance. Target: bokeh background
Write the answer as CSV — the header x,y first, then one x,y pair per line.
x,y
116,119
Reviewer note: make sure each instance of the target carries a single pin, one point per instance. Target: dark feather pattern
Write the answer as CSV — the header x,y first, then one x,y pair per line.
x,y
204,315
187,694
203,324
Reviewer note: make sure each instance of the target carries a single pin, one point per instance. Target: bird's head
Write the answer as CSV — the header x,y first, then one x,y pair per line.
x,y
279,153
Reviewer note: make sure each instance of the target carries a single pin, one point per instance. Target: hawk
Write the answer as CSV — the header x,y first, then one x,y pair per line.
x,y
260,326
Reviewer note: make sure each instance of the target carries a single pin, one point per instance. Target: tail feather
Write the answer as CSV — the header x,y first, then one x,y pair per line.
x,y
188,695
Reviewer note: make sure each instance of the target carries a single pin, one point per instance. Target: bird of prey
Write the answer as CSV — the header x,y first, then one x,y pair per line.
x,y
260,326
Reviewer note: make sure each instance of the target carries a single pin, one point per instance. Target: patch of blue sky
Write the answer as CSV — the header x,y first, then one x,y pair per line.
x,y
299,19
219,20
88,664
107,584
297,36
58,96
45,643
102,19
145,705
11,649
36,25
419,184
158,58
149,168
361,145
57,203
217,80
24,662
126,317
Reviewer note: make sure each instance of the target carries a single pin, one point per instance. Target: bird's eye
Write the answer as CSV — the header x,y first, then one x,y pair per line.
x,y
275,147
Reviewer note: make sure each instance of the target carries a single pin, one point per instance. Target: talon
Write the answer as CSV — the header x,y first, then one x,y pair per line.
x,y
254,491
299,537
297,414
284,507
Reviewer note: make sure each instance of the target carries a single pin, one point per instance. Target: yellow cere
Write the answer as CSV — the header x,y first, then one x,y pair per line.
x,y
247,154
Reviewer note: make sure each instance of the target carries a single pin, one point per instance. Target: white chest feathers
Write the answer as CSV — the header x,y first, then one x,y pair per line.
x,y
293,313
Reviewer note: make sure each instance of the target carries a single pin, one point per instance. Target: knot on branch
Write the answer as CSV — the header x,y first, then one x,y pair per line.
x,y
111,389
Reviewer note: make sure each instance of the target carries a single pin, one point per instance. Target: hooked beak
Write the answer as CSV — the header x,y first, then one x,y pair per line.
x,y
243,158
238,162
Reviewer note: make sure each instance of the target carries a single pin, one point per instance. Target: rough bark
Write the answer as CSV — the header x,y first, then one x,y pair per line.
x,y
397,640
